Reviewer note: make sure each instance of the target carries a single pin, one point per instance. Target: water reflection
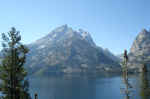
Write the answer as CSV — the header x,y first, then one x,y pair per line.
x,y
127,88
144,86
66,87
89,87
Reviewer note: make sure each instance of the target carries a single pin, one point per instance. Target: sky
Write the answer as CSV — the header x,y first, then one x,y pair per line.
x,y
113,24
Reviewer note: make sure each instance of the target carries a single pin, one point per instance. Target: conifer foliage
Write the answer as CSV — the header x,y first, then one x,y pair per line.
x,y
14,83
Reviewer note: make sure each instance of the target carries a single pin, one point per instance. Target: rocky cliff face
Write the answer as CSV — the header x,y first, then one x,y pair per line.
x,y
67,50
141,43
140,50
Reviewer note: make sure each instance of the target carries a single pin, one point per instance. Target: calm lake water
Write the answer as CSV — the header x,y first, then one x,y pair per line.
x,y
91,87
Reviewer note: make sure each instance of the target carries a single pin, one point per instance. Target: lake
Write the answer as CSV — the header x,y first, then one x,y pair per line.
x,y
91,87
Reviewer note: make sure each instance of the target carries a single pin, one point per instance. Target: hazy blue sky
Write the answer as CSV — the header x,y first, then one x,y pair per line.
x,y
113,24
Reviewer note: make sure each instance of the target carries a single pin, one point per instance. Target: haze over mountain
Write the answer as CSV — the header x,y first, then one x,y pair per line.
x,y
68,50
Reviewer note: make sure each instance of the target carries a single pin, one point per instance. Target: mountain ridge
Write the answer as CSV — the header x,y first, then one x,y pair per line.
x,y
65,49
140,51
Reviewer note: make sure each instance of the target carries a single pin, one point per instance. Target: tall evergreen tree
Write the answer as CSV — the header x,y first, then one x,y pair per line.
x,y
14,84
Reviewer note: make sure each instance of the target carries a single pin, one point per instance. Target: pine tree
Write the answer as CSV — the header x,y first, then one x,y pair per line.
x,y
14,84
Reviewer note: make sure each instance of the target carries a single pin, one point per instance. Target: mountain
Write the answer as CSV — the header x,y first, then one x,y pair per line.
x,y
67,50
140,50
112,56
120,57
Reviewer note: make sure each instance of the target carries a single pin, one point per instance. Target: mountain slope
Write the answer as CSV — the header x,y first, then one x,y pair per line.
x,y
140,50
67,50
